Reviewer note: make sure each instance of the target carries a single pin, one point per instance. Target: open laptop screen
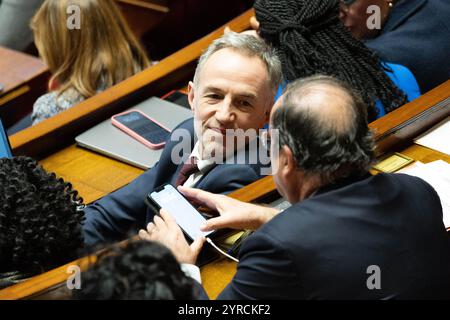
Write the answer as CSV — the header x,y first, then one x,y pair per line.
x,y
5,148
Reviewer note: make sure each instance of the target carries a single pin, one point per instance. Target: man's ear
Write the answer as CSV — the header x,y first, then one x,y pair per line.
x,y
287,163
191,95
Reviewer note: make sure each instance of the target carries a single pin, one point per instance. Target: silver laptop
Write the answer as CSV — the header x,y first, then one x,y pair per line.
x,y
113,142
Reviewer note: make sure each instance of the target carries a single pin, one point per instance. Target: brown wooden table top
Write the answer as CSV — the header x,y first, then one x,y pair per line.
x,y
17,68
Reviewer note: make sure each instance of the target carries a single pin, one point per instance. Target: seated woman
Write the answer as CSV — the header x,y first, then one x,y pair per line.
x,y
84,61
311,39
40,221
413,33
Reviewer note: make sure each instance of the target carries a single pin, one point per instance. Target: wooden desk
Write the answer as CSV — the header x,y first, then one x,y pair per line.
x,y
24,79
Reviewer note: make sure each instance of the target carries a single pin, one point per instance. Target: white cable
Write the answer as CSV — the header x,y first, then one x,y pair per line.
x,y
221,251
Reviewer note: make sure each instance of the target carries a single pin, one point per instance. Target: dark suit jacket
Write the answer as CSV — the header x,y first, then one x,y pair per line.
x,y
416,35
321,248
114,216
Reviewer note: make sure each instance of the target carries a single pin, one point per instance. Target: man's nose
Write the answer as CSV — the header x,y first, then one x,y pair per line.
x,y
225,114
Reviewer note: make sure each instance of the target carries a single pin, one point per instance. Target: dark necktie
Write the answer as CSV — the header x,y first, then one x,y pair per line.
x,y
190,167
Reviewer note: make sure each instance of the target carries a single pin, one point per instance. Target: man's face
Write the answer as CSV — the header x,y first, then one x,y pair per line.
x,y
354,16
233,92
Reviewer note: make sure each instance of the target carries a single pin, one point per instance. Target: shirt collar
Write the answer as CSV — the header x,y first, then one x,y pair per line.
x,y
203,164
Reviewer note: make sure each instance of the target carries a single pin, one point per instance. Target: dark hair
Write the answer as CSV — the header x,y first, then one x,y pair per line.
x,y
331,149
311,39
40,224
141,270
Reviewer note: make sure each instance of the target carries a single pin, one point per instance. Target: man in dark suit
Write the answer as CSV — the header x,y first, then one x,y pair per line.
x,y
347,235
233,88
414,33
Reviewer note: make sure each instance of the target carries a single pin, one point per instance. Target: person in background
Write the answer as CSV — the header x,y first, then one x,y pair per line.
x,y
40,220
348,234
15,15
413,33
84,61
310,39
141,270
233,89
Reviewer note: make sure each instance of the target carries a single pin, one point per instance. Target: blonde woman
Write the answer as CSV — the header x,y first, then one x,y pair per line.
x,y
83,61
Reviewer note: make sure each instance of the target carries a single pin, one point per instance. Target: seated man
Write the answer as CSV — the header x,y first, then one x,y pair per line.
x,y
347,235
234,88
141,270
40,221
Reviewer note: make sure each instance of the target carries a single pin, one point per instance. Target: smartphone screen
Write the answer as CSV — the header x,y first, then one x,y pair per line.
x,y
143,127
186,216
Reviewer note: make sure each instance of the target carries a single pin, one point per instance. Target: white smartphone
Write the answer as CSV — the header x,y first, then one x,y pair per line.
x,y
187,217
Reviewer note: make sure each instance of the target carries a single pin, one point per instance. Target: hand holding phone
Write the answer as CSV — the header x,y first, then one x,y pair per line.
x,y
186,216
142,128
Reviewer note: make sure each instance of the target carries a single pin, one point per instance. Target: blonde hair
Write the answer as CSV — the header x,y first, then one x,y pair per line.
x,y
98,55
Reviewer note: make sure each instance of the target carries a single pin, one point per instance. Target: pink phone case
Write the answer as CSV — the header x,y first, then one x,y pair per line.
x,y
134,134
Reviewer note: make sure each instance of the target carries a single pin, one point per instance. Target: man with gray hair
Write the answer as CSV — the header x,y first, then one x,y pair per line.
x,y
233,89
347,235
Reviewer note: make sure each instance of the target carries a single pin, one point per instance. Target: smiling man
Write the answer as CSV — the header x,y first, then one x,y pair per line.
x,y
233,88
347,235
229,98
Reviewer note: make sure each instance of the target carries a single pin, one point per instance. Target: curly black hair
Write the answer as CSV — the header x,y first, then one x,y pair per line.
x,y
40,220
141,270
311,40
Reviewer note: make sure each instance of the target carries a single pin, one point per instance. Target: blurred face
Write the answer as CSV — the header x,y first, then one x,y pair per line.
x,y
233,92
354,16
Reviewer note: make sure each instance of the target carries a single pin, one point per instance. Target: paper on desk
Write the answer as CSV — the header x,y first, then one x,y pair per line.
x,y
437,138
437,174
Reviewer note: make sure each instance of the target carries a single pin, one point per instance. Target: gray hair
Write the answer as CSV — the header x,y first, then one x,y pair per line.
x,y
329,146
250,46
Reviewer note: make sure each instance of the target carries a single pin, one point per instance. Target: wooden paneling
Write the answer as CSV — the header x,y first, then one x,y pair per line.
x,y
24,79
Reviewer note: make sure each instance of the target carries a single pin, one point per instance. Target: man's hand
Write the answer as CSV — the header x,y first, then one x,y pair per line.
x,y
234,214
165,230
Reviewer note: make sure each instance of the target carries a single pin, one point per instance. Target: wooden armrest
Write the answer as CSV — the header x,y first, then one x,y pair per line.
x,y
404,124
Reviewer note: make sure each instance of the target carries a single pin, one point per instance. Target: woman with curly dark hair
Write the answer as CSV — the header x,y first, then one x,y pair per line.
x,y
142,270
312,40
40,220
